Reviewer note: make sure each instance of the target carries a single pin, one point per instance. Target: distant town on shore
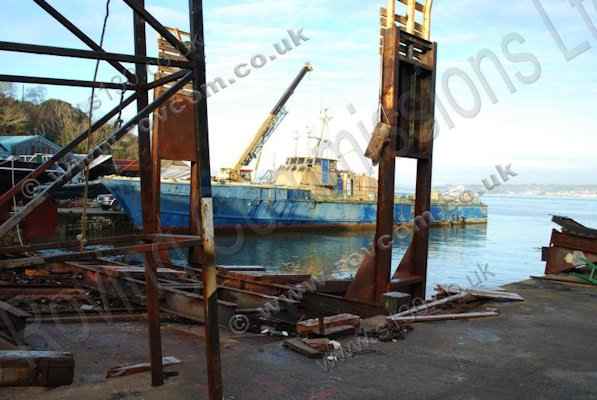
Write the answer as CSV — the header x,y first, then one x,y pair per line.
x,y
547,190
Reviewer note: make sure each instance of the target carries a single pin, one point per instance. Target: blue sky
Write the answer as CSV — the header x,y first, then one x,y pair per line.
x,y
545,129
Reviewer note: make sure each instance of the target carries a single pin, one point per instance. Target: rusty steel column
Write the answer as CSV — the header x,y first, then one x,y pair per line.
x,y
387,164
147,205
424,176
202,204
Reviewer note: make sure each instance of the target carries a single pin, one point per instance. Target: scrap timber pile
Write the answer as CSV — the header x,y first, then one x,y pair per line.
x,y
321,338
571,257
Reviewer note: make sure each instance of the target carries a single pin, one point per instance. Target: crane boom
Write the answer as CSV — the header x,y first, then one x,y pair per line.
x,y
267,128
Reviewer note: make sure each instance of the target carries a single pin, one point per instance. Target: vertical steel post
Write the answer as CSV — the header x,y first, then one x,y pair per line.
x,y
147,205
424,177
387,163
202,204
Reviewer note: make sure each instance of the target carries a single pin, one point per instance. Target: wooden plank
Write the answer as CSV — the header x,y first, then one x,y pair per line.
x,y
318,344
36,368
337,331
138,368
443,317
433,304
301,347
312,326
483,294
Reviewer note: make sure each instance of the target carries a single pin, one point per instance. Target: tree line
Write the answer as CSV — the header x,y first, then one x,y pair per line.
x,y
30,113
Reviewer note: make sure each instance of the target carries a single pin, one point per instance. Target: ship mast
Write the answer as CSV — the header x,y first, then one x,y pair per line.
x,y
325,121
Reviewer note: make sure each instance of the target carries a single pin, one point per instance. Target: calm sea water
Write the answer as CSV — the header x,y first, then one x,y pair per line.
x,y
507,250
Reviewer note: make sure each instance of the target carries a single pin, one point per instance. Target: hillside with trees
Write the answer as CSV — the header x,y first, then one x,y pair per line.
x,y
32,114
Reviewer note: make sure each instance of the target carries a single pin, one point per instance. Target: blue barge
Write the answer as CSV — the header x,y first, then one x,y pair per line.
x,y
253,205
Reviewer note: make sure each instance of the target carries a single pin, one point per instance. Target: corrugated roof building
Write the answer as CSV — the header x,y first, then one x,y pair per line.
x,y
26,145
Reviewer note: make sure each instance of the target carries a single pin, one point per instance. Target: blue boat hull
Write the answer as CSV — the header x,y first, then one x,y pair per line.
x,y
252,205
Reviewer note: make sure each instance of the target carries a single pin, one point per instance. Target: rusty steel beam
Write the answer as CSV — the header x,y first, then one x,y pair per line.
x,y
65,82
572,227
165,80
90,55
423,184
562,239
146,16
36,368
173,301
83,37
387,165
73,171
73,244
202,203
147,204
94,254
110,241
373,276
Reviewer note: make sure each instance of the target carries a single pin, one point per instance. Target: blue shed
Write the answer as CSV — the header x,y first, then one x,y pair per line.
x,y
26,145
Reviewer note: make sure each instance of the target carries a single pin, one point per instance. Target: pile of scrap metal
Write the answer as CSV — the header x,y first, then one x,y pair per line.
x,y
571,257
60,283
43,284
19,365
318,337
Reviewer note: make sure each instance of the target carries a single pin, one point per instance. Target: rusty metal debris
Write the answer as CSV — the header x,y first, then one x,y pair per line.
x,y
322,325
89,277
127,370
572,254
36,368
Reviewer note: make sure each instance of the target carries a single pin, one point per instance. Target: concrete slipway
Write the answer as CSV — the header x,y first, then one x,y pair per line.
x,y
543,348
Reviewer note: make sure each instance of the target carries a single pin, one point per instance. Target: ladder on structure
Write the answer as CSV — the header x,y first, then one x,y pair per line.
x,y
413,16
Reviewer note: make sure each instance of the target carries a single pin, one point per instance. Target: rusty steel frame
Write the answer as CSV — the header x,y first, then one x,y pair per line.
x,y
202,243
415,77
152,243
407,98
